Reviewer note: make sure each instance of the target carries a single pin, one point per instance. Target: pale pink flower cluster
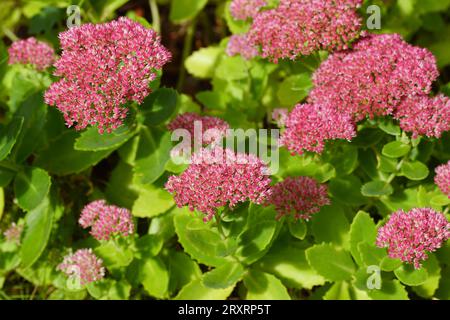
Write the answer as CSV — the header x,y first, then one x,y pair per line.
x,y
245,9
301,27
239,45
220,177
442,178
102,68
31,51
83,265
280,115
14,233
309,126
106,220
375,77
409,236
210,128
300,197
424,115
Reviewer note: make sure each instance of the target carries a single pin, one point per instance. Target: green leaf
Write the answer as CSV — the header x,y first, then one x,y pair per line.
x,y
2,203
183,270
410,276
31,186
196,290
202,63
199,240
298,229
429,287
396,149
182,10
389,264
332,263
120,188
331,225
370,254
340,290
362,229
255,240
59,157
151,202
224,276
390,127
232,68
38,225
294,89
148,245
376,189
8,136
415,170
114,255
264,286
154,276
152,155
92,140
390,290
347,190
159,106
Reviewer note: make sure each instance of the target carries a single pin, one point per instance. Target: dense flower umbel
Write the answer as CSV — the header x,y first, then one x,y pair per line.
x,y
309,126
83,264
410,235
301,27
103,67
423,115
13,233
31,51
374,77
220,177
239,44
106,220
245,9
298,196
442,178
216,127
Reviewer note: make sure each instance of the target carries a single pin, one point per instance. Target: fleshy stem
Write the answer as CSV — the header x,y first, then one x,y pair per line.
x,y
187,48
9,166
156,22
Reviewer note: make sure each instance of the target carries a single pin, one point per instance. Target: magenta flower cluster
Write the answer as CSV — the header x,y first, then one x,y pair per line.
x,y
246,9
442,178
240,45
210,128
280,116
300,197
409,236
14,233
31,51
106,220
83,265
102,68
301,27
220,177
375,77
309,126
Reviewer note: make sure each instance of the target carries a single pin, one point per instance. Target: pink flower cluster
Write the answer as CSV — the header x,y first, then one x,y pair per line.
x,y
14,233
210,129
239,45
300,196
31,51
375,77
280,115
423,115
106,221
83,265
442,178
301,27
309,126
245,9
410,235
220,177
104,67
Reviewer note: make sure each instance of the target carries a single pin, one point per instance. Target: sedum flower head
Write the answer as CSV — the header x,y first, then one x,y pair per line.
x,y
220,177
14,233
106,220
102,68
374,78
246,9
280,115
216,127
423,115
442,178
239,45
83,264
300,197
309,126
301,27
31,51
408,236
